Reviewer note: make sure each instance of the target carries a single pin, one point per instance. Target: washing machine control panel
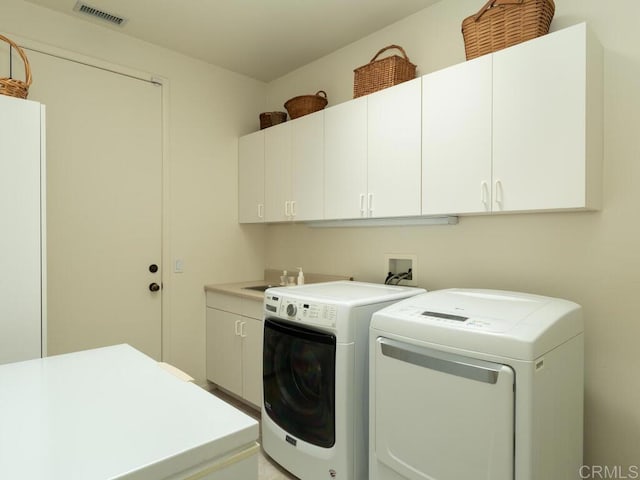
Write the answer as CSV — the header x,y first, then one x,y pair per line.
x,y
302,311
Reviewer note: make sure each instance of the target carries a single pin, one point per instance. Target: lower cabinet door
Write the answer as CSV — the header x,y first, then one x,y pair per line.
x,y
251,331
224,350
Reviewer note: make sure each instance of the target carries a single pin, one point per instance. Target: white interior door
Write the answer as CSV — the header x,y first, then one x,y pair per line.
x,y
441,416
104,205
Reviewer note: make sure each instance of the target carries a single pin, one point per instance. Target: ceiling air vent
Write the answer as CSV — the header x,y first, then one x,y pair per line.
x,y
100,14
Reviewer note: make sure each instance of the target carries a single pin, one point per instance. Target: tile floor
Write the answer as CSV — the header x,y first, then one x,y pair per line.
x,y
267,468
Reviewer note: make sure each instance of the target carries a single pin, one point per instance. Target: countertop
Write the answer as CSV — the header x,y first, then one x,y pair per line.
x,y
271,277
110,413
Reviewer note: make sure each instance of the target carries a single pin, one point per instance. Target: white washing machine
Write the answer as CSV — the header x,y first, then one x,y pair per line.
x,y
476,384
315,376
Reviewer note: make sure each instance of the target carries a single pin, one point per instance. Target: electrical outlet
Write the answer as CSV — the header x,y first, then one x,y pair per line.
x,y
401,268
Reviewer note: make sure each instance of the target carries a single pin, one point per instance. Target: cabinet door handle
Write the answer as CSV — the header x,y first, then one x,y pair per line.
x,y
242,332
362,210
260,210
237,327
499,193
293,208
370,203
286,208
484,194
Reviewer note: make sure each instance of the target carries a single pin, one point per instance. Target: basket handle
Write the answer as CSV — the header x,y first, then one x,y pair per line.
x,y
324,94
494,3
404,54
27,68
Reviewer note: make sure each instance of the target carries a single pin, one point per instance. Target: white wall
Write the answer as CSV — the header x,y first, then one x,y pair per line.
x,y
590,258
208,109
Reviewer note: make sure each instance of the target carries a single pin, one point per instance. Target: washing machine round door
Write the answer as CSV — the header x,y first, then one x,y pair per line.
x,y
299,381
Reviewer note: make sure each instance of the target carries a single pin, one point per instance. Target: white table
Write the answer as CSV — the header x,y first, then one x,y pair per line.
x,y
113,413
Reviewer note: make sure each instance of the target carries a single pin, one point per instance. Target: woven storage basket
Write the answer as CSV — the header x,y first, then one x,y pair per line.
x,y
502,23
269,119
11,86
386,72
305,104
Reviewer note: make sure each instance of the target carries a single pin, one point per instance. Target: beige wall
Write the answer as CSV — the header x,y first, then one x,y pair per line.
x,y
591,258
208,108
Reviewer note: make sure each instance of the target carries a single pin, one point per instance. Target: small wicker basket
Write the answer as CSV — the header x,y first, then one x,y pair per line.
x,y
11,86
269,119
305,104
386,72
503,23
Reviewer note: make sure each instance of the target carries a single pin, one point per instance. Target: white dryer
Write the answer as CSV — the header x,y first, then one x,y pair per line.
x,y
315,376
476,384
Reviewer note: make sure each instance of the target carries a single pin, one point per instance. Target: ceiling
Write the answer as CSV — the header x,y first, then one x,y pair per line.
x,y
263,39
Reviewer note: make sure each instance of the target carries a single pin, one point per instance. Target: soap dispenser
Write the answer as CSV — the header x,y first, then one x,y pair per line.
x,y
283,278
300,276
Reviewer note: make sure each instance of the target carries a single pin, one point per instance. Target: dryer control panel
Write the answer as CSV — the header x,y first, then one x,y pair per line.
x,y
301,311
444,318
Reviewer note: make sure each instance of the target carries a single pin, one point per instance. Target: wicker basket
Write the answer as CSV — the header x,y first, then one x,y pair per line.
x,y
383,73
305,104
11,86
502,23
269,119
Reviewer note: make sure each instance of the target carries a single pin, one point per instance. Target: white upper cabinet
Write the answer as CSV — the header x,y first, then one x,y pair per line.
x,y
307,163
294,169
372,155
251,178
517,130
513,131
456,139
394,161
277,177
345,185
547,123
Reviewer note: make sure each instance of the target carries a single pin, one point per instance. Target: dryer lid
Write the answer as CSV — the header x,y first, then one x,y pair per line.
x,y
517,324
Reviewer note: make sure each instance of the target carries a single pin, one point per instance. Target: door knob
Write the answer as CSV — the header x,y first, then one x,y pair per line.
x,y
154,287
153,268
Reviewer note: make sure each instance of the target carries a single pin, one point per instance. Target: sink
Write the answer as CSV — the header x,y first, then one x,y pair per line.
x,y
258,288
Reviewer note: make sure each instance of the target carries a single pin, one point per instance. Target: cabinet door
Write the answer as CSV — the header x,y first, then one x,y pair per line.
x,y
393,168
539,93
20,240
277,164
251,178
251,332
345,188
456,139
307,160
224,350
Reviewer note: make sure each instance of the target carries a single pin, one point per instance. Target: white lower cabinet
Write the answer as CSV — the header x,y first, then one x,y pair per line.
x,y
234,345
